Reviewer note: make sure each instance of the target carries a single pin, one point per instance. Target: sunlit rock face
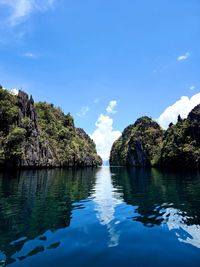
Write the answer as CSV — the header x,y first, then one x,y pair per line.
x,y
107,199
139,144
145,143
35,135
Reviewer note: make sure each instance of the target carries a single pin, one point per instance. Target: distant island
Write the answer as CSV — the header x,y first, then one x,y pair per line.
x,y
34,135
145,143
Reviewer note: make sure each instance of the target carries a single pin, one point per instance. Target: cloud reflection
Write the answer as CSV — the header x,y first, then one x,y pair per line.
x,y
176,221
106,199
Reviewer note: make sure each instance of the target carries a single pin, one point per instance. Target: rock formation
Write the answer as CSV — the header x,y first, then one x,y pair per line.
x,y
139,144
181,143
40,135
146,144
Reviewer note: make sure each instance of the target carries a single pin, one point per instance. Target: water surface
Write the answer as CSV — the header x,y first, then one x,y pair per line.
x,y
99,217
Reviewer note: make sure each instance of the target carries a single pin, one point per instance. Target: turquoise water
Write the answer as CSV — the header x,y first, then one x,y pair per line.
x,y
99,217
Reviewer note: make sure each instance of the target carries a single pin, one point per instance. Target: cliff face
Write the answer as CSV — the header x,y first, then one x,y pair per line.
x,y
40,135
139,144
146,144
181,142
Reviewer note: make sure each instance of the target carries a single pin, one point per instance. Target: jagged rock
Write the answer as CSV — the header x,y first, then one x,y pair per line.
x,y
181,143
194,115
40,135
146,144
139,144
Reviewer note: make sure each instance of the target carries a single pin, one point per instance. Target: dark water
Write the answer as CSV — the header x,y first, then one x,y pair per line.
x,y
99,217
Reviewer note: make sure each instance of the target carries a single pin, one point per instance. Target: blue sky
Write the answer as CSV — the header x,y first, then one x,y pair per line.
x,y
80,55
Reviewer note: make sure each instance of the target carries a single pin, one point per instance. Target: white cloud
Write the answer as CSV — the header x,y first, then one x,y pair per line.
x,y
192,87
21,9
14,91
29,55
83,112
104,136
182,107
111,107
183,57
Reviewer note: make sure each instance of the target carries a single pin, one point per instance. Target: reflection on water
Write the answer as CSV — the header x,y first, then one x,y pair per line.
x,y
99,217
177,221
36,202
106,198
167,199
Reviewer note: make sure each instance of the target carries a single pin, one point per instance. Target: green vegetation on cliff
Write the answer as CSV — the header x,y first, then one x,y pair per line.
x,y
41,135
146,144
181,142
139,144
71,145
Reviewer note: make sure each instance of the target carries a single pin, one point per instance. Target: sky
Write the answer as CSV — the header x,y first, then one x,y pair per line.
x,y
106,62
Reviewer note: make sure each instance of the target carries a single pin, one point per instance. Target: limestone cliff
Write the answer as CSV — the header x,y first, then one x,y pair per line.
x,y
146,144
181,142
40,135
139,144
